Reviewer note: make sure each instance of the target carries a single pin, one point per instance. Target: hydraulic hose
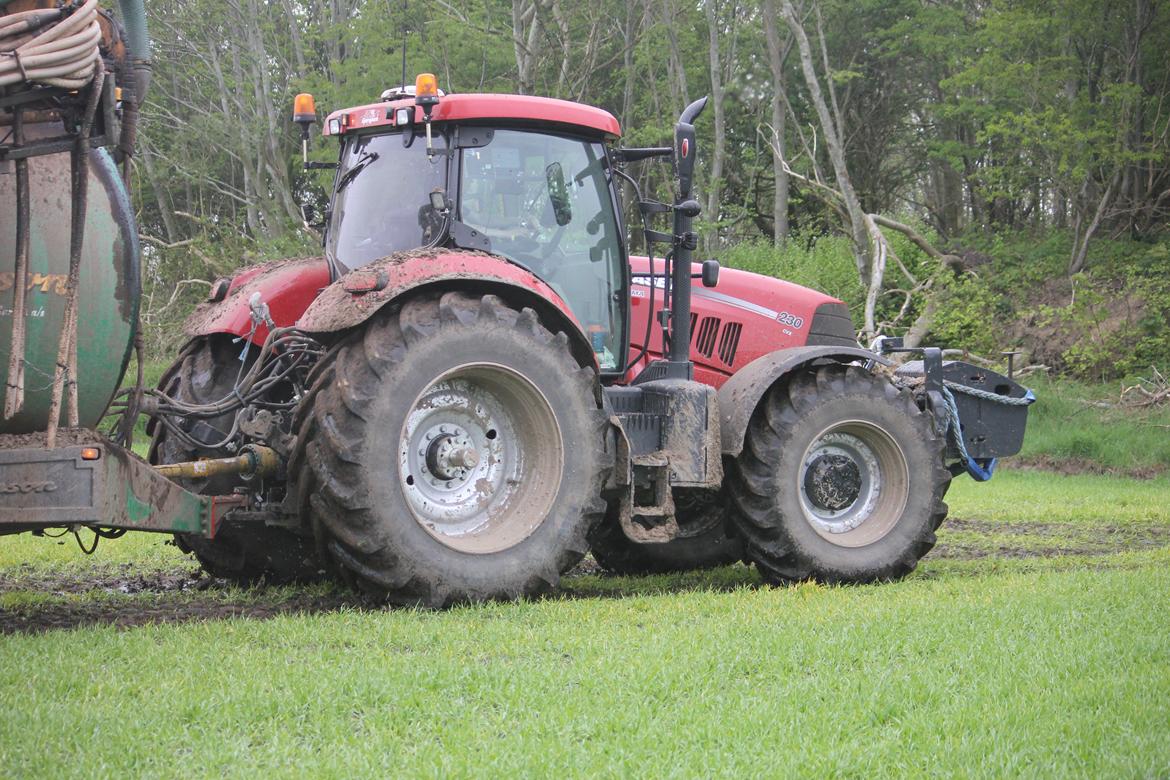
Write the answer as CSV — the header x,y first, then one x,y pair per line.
x,y
50,46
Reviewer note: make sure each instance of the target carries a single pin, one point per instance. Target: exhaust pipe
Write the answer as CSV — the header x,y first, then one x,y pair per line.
x,y
685,241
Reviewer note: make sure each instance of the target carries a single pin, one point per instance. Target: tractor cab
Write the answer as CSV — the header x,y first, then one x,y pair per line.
x,y
524,178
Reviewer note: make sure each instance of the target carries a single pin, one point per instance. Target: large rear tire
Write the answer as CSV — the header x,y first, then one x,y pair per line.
x,y
703,541
841,479
452,452
206,371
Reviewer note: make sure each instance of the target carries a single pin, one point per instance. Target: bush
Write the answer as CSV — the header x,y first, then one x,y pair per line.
x,y
969,316
1104,323
823,263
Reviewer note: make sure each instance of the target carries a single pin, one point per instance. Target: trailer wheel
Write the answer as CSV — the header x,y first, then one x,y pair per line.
x,y
841,479
703,541
206,371
455,454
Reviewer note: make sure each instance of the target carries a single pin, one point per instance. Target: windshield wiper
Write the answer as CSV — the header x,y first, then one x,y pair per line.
x,y
357,168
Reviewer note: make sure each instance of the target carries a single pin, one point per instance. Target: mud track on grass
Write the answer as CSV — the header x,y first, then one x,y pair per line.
x,y
1042,540
130,613
124,596
1073,467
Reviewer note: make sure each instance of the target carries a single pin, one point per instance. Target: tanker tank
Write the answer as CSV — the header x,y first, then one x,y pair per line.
x,y
109,281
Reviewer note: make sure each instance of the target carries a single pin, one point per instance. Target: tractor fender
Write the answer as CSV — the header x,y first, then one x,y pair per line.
x,y
287,286
741,394
357,296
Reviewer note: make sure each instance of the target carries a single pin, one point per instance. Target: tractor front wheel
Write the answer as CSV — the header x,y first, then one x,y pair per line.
x,y
841,479
453,452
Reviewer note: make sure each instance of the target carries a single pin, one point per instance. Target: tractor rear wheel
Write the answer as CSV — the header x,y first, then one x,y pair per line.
x,y
206,371
703,541
841,479
453,452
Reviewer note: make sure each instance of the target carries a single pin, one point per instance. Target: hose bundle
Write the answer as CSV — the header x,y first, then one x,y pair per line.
x,y
52,46
285,358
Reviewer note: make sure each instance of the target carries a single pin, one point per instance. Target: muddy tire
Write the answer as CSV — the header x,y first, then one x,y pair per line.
x,y
245,554
841,479
452,452
703,541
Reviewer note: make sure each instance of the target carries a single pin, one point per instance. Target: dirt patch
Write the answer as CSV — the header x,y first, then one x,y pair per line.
x,y
1049,324
122,579
161,596
1077,466
208,598
1158,532
124,596
1055,539
136,612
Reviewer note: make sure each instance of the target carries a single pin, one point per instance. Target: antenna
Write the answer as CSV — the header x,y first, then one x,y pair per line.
x,y
405,18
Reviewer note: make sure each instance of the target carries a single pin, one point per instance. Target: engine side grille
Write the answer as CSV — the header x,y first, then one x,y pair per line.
x,y
729,342
705,339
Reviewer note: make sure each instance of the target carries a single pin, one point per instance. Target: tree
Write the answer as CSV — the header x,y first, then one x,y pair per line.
x,y
778,50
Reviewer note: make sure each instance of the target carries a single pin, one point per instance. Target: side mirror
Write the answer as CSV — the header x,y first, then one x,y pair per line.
x,y
439,202
558,193
710,273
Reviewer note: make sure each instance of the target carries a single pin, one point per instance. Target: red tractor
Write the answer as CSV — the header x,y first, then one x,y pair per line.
x,y
477,384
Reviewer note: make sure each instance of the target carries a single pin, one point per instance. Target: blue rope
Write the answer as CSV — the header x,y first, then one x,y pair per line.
x,y
980,470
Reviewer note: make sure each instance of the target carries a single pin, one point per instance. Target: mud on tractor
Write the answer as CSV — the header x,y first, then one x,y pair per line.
x,y
476,384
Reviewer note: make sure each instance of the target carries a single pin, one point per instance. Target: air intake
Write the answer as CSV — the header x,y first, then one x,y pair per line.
x,y
705,338
729,342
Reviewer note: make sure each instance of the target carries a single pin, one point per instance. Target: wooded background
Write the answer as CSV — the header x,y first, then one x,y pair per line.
x,y
982,174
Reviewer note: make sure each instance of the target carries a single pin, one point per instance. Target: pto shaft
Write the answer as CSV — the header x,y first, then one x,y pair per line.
x,y
254,461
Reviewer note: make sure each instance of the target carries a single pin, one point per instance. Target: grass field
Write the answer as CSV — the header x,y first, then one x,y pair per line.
x,y
1069,432
1035,640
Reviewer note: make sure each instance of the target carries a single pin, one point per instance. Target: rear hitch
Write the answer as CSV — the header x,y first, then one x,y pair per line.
x,y
90,481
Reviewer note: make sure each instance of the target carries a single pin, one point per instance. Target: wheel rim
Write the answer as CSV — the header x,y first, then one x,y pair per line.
x,y
853,483
480,458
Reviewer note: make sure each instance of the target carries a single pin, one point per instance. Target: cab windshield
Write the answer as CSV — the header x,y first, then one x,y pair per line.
x,y
543,201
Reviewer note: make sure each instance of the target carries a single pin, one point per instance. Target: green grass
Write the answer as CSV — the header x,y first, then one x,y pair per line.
x,y
993,659
1050,674
143,550
1063,426
1015,496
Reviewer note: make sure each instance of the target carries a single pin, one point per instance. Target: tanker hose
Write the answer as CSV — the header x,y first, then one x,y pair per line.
x,y
56,47
138,41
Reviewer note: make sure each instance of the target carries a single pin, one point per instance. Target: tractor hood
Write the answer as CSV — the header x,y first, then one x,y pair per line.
x,y
745,316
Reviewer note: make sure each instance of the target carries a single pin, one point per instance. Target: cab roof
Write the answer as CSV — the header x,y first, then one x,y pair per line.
x,y
474,107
